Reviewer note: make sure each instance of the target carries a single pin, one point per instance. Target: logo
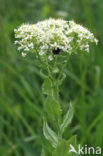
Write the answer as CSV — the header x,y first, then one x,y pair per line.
x,y
85,150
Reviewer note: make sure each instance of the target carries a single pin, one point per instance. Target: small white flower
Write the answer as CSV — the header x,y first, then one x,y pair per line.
x,y
41,53
31,45
23,54
19,48
96,41
15,42
87,49
26,49
50,57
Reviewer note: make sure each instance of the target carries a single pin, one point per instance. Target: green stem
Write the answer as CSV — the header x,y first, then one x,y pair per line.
x,y
54,95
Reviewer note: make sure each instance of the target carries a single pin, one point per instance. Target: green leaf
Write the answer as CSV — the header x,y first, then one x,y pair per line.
x,y
46,87
67,119
50,135
55,70
52,107
62,149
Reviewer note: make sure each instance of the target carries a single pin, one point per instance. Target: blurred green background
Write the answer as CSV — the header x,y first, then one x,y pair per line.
x,y
21,106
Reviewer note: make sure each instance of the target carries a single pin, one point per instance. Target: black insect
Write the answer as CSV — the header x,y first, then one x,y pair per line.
x,y
56,51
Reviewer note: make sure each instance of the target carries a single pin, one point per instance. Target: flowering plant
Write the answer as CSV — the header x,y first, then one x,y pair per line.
x,y
53,41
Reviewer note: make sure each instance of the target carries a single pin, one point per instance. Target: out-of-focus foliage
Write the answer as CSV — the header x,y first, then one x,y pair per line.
x,y
21,109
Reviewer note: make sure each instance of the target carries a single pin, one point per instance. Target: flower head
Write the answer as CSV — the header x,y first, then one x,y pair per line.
x,y
51,37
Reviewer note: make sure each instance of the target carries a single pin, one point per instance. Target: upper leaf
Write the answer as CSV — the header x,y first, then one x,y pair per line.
x,y
50,135
52,107
46,87
67,119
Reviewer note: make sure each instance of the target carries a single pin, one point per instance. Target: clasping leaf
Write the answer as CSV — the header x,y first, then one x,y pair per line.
x,y
50,135
46,87
67,119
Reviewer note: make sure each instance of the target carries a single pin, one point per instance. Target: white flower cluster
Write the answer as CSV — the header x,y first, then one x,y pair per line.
x,y
53,36
84,36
